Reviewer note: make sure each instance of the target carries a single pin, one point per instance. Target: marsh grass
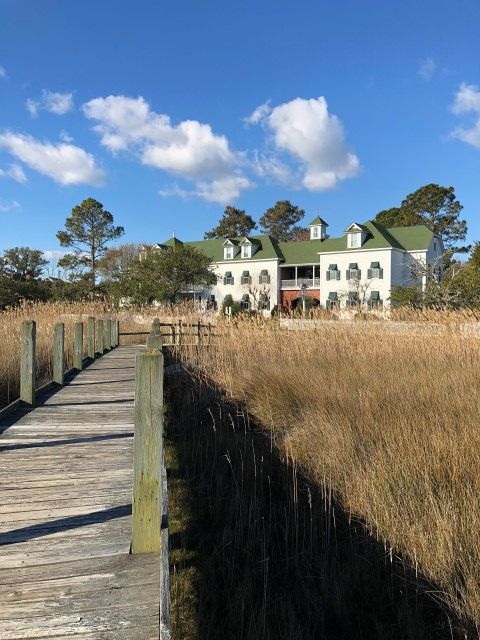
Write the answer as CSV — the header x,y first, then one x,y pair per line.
x,y
260,551
387,424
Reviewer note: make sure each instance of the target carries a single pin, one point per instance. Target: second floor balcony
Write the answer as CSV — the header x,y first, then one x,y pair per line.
x,y
295,277
311,283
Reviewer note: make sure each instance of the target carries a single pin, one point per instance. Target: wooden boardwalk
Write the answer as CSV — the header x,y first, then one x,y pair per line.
x,y
65,514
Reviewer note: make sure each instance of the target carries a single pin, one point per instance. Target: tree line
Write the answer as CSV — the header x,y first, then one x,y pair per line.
x,y
93,268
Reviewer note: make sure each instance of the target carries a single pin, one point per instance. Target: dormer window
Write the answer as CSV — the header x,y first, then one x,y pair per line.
x,y
355,240
246,250
315,233
356,235
230,249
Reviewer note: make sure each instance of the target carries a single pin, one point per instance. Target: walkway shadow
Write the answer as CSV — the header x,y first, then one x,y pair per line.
x,y
41,529
272,556
66,441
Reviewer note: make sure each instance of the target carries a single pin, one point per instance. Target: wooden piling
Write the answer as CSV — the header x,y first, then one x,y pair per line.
x,y
147,452
59,353
28,338
198,337
91,337
100,336
155,339
179,333
108,334
78,346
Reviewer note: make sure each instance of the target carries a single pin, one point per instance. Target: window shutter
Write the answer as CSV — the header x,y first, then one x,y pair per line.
x,y
348,274
338,275
380,274
369,274
359,274
328,275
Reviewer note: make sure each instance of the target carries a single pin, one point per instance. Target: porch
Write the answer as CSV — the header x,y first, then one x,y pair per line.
x,y
294,277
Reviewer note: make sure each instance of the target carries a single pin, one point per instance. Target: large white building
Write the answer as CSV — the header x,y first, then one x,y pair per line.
x,y
357,269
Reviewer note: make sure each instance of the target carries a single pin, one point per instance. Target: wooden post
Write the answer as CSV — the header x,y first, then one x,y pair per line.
x,y
173,334
112,334
179,333
155,339
100,343
78,346
59,353
117,333
28,339
209,333
147,452
91,337
198,336
108,334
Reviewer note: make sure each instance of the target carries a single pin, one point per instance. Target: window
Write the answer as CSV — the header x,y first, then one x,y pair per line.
x,y
352,300
353,272
332,300
375,302
245,302
246,251
228,278
228,253
264,302
355,240
264,278
314,232
246,278
333,273
375,271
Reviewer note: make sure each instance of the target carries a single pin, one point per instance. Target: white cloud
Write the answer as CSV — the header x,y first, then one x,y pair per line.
x,y
65,136
3,72
6,207
258,114
32,107
67,164
305,131
270,166
222,190
189,149
15,172
52,101
467,100
427,68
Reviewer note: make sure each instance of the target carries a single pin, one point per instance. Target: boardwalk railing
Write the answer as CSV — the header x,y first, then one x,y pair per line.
x,y
150,493
100,338
177,332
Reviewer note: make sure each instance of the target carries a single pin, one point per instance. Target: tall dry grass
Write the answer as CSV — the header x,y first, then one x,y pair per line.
x,y
389,423
47,315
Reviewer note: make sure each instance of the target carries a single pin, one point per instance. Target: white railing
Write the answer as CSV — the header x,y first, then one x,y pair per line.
x,y
312,283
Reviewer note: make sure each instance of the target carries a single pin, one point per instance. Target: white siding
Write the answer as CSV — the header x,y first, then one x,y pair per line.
x,y
363,259
237,290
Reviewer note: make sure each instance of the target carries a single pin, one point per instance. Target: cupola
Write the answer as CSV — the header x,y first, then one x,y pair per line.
x,y
318,229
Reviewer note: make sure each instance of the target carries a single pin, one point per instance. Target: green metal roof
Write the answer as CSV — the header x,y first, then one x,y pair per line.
x,y
267,249
411,238
318,220
172,242
306,252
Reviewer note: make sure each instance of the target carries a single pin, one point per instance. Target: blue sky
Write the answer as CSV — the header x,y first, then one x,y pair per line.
x,y
166,111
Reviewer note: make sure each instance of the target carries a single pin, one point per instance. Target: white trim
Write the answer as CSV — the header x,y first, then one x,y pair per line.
x,y
341,252
246,260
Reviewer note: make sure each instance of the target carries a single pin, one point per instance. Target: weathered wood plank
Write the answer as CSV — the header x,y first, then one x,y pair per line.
x,y
65,523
